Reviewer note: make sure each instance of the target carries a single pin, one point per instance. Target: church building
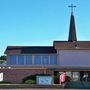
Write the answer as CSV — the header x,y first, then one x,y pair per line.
x,y
72,57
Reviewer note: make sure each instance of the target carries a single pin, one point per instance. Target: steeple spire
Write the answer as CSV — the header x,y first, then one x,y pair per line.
x,y
72,29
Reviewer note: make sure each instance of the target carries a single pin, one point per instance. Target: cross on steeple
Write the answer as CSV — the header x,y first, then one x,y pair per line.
x,y
72,7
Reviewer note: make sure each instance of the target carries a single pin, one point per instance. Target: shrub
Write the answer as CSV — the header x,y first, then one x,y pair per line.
x,y
56,79
30,82
68,79
33,77
5,82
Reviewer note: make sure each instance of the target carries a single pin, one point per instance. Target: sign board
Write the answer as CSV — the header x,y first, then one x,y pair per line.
x,y
44,80
1,76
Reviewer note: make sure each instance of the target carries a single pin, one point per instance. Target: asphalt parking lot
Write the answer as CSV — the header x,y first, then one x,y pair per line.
x,y
43,89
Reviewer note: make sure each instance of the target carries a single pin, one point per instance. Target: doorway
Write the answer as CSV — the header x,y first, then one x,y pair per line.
x,y
70,75
85,76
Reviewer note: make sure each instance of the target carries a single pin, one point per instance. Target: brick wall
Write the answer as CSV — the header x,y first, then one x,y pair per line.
x,y
16,75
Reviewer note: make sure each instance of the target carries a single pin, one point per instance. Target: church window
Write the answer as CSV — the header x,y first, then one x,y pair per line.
x,y
37,60
45,59
12,59
53,59
20,59
28,59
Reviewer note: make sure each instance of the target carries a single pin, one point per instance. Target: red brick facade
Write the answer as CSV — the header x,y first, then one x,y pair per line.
x,y
16,75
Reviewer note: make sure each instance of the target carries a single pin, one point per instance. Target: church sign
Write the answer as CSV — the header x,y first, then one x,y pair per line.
x,y
44,80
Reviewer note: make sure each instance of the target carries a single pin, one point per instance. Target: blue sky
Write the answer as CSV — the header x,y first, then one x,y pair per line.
x,y
40,22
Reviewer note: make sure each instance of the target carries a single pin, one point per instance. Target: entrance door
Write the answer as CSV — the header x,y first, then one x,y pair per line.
x,y
85,76
76,76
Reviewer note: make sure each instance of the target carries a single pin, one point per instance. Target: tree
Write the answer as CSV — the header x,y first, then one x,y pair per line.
x,y
3,57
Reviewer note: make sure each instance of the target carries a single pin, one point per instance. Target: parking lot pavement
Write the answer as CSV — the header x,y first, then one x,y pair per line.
x,y
42,89
32,89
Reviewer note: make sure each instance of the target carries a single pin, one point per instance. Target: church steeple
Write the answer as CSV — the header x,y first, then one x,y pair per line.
x,y
72,29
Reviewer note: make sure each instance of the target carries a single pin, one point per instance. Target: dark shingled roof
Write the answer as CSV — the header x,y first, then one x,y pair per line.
x,y
29,49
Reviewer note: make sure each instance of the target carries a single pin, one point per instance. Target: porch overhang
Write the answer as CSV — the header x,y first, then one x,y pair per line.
x,y
68,68
54,68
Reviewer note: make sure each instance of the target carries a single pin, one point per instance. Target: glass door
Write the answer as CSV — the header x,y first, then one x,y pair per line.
x,y
75,76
